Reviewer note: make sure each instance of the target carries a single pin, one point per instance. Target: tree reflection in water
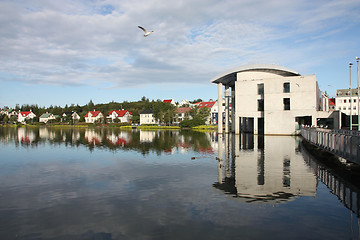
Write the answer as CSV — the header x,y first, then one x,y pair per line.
x,y
159,142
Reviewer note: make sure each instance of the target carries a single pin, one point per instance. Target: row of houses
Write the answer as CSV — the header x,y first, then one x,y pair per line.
x,y
90,117
122,116
183,113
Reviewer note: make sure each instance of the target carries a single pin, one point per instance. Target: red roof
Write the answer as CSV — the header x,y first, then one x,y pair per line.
x,y
120,113
24,114
206,104
167,101
332,101
93,113
182,110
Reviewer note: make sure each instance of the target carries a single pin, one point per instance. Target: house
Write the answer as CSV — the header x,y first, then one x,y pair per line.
x,y
170,101
122,115
213,115
93,116
332,105
147,117
181,114
70,115
346,102
9,112
184,103
27,115
45,117
271,99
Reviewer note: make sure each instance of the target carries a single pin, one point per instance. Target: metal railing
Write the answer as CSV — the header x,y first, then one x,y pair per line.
x,y
343,143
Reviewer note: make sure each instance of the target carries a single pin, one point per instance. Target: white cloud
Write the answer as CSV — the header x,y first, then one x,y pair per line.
x,y
98,42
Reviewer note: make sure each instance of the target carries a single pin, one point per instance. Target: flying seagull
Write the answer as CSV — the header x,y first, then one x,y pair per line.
x,y
146,32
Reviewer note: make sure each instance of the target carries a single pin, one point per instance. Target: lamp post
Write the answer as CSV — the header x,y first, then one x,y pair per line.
x,y
350,64
358,92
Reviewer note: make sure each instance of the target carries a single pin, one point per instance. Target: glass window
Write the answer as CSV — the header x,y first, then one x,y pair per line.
x,y
260,88
286,87
260,104
286,103
344,100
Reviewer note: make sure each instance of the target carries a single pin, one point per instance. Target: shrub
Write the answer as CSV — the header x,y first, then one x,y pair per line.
x,y
191,123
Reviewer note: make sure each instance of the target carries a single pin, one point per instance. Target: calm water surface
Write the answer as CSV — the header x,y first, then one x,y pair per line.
x,y
111,184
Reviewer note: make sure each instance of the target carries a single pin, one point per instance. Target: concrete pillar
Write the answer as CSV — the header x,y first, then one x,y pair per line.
x,y
256,127
227,107
233,109
220,108
237,124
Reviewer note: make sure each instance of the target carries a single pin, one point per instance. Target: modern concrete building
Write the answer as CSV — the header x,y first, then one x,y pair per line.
x,y
270,99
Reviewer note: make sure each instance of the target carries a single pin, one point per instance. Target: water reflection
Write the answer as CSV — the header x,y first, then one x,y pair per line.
x,y
263,169
111,138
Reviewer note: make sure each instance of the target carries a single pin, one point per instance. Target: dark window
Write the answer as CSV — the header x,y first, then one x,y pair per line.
x,y
260,104
286,103
260,88
286,87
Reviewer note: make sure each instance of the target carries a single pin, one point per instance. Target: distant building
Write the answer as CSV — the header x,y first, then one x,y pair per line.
x,y
45,117
170,101
346,102
270,99
27,115
122,116
332,104
147,117
181,114
93,116
70,115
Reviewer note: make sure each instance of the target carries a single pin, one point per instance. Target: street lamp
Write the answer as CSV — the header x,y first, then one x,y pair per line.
x,y
350,64
358,92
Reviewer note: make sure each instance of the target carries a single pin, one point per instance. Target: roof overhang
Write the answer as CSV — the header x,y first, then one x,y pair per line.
x,y
229,77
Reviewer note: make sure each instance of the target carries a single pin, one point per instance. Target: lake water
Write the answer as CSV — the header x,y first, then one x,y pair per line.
x,y
111,184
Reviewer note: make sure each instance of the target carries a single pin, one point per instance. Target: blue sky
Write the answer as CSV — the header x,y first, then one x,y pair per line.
x,y
71,51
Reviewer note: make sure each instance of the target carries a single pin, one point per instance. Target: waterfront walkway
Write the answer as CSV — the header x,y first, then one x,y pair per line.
x,y
343,143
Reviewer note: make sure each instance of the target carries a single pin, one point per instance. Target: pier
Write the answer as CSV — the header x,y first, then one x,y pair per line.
x,y
342,143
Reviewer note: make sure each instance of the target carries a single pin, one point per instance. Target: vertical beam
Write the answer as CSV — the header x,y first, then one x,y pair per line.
x,y
227,107
220,108
233,109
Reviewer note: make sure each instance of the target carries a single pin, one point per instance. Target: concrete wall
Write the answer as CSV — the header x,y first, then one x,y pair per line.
x,y
303,95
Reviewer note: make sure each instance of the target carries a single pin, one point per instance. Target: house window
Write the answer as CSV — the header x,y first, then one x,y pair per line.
x,y
260,104
344,100
286,103
286,87
260,88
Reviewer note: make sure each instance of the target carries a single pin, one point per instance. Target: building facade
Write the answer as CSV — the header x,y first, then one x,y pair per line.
x,y
270,99
346,102
147,117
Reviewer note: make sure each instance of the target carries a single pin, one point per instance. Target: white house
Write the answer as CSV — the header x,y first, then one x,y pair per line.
x,y
93,116
122,115
270,99
45,117
346,102
147,117
181,114
184,103
170,101
73,115
23,116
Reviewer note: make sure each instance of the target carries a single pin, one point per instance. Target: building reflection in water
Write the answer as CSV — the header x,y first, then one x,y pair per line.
x,y
263,169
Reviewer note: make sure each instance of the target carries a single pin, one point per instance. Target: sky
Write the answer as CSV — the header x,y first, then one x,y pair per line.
x,y
58,52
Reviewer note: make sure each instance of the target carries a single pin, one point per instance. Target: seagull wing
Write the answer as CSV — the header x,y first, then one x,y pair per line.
x,y
142,29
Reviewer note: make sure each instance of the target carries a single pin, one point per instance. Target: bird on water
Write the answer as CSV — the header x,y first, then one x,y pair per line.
x,y
146,32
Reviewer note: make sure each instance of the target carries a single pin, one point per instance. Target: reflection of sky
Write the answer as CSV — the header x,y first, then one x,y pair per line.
x,y
71,193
